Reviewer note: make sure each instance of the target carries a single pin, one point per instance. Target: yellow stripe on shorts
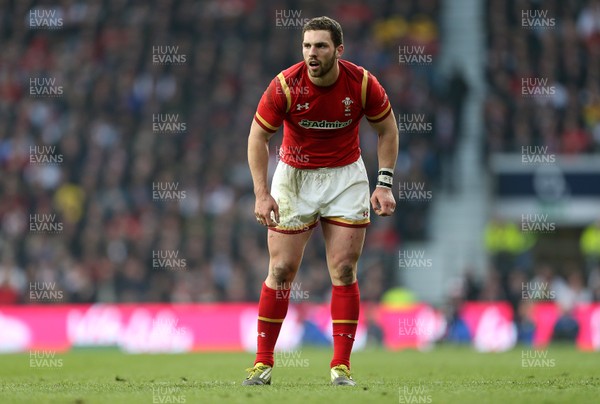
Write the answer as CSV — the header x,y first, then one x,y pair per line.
x,y
346,221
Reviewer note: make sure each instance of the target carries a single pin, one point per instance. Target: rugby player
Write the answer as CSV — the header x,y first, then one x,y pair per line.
x,y
320,178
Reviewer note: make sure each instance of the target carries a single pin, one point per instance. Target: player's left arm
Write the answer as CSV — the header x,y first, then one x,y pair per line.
x,y
383,200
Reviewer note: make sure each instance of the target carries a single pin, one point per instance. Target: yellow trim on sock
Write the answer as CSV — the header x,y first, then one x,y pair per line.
x,y
271,320
345,321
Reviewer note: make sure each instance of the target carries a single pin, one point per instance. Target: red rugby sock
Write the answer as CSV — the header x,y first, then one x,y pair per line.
x,y
272,308
345,306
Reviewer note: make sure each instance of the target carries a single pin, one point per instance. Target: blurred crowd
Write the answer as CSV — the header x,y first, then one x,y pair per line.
x,y
514,267
99,199
544,76
516,277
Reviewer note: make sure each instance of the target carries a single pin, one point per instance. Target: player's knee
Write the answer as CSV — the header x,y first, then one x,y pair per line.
x,y
282,273
345,274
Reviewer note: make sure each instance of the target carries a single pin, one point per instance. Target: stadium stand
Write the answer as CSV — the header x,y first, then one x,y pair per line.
x,y
106,154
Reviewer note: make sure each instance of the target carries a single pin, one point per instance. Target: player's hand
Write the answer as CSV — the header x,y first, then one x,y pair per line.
x,y
265,210
383,201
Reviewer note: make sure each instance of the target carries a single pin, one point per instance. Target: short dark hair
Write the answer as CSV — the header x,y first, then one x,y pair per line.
x,y
326,24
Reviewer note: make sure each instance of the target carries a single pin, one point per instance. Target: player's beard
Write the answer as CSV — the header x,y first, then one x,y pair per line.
x,y
324,67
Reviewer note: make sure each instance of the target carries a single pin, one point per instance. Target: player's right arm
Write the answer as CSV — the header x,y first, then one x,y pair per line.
x,y
258,160
268,118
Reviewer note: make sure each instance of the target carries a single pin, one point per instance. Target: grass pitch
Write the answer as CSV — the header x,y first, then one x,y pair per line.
x,y
445,375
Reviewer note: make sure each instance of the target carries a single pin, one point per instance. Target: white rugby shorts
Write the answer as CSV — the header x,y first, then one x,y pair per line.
x,y
337,195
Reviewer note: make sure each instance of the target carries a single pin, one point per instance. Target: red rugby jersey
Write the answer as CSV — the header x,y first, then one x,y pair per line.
x,y
320,124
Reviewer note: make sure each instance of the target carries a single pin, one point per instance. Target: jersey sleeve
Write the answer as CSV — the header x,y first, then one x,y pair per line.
x,y
376,103
272,107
